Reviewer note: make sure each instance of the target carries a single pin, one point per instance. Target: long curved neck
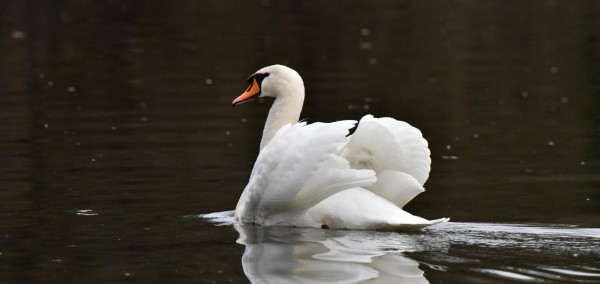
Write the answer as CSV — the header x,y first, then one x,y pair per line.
x,y
285,109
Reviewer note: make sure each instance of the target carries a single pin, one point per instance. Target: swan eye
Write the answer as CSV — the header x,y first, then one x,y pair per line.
x,y
259,78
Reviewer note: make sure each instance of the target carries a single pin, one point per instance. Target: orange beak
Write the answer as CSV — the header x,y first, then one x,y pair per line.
x,y
250,93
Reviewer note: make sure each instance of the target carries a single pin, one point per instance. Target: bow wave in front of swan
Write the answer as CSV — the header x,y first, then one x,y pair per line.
x,y
315,175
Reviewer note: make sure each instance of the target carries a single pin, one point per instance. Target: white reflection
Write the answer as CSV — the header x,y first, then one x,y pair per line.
x,y
537,253
307,255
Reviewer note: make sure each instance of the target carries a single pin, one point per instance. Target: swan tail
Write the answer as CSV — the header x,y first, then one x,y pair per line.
x,y
414,226
361,209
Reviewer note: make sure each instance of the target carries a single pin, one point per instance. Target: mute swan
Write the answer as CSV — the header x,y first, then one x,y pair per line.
x,y
314,175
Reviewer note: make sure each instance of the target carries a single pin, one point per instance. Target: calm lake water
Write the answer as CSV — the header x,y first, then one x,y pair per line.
x,y
117,133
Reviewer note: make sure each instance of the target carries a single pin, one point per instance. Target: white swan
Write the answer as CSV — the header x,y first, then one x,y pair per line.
x,y
316,176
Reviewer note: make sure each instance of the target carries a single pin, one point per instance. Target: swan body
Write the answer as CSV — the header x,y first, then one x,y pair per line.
x,y
315,175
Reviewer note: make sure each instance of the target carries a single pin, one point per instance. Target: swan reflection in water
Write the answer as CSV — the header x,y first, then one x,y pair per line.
x,y
307,255
485,251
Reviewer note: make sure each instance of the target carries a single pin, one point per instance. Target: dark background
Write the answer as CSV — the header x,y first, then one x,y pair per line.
x,y
115,116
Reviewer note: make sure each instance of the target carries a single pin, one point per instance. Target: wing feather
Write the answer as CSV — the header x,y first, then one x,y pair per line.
x,y
294,172
396,151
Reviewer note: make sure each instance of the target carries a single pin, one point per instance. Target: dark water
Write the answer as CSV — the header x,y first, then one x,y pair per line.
x,y
117,131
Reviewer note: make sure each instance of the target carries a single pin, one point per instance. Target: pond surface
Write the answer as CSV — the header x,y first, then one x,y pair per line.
x,y
117,133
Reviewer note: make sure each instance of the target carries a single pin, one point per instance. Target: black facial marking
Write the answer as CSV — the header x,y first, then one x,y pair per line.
x,y
259,78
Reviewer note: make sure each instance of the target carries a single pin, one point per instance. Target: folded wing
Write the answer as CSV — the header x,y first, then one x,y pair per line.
x,y
297,170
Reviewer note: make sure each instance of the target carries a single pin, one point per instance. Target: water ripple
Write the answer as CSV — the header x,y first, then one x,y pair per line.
x,y
508,252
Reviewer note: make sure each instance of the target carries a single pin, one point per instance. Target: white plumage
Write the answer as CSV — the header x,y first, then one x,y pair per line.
x,y
315,176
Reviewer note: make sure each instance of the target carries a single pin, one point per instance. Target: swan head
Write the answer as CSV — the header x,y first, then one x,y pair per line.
x,y
275,81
